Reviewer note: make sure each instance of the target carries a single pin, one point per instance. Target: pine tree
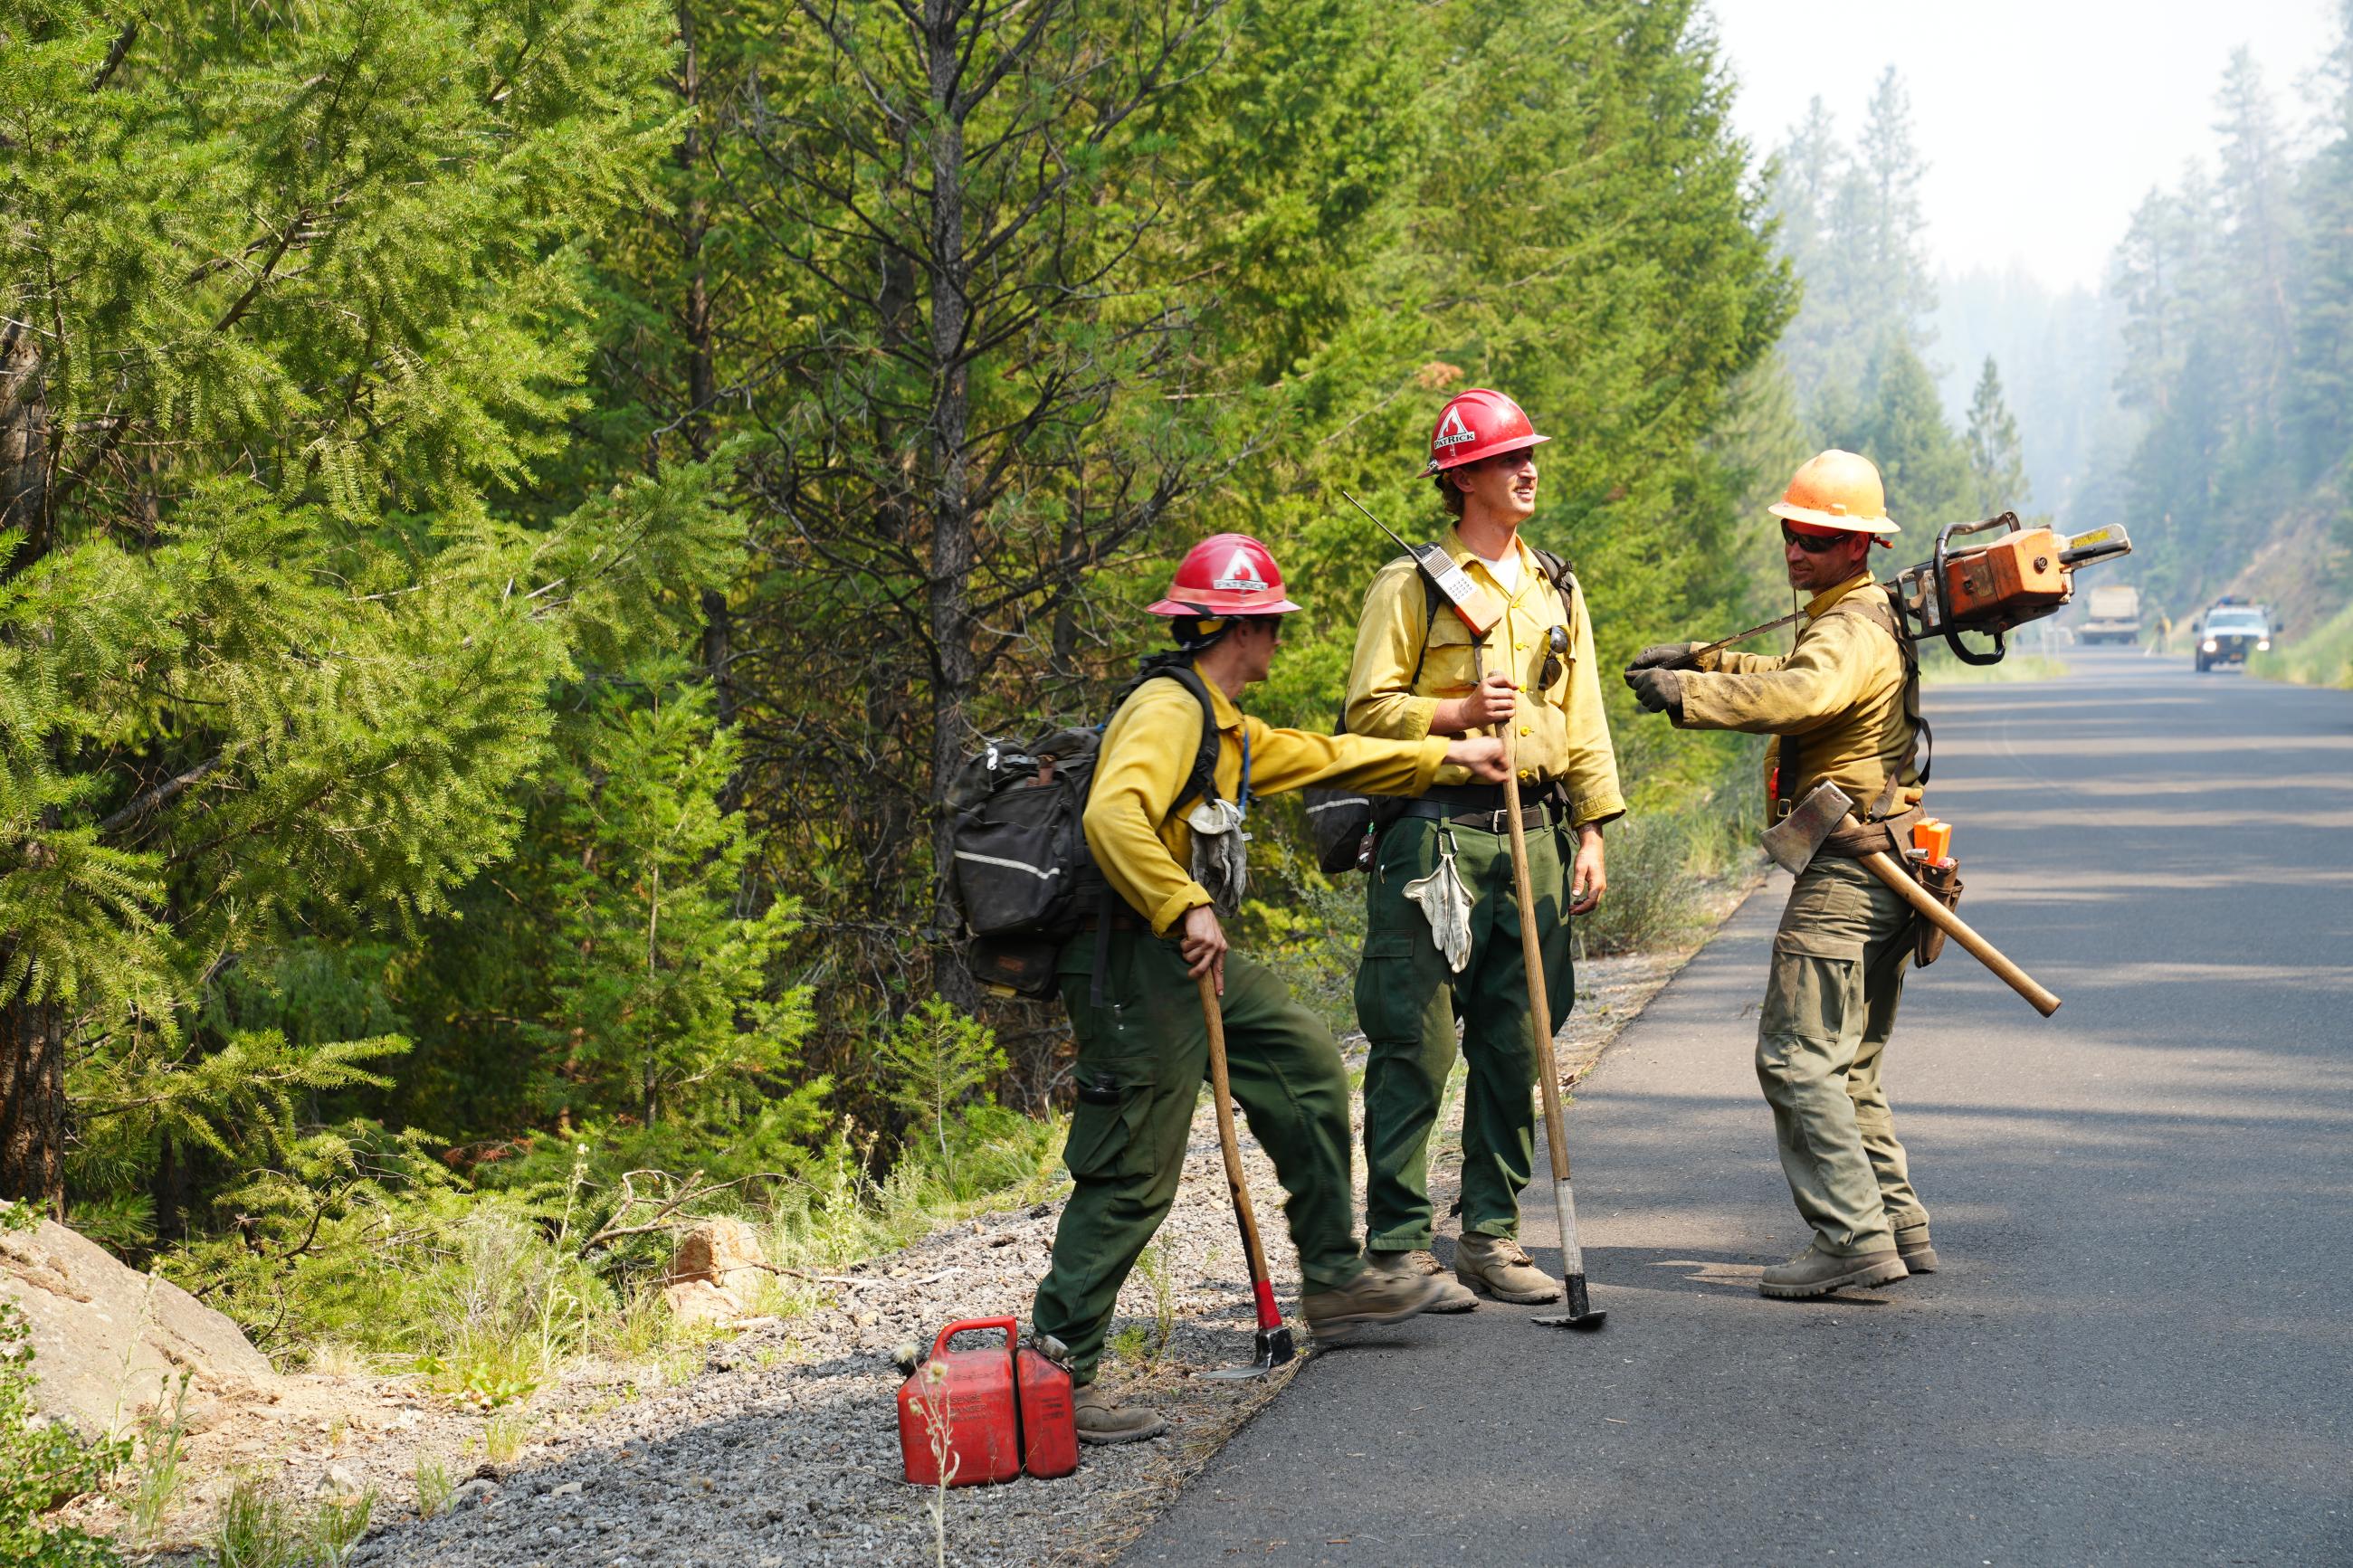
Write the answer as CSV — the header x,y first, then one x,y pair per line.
x,y
1997,461
294,311
1902,428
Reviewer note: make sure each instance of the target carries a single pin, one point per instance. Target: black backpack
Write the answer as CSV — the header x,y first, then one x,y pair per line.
x,y
1340,821
1023,877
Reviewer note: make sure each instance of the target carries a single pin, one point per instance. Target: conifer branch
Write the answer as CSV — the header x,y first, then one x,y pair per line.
x,y
122,42
160,795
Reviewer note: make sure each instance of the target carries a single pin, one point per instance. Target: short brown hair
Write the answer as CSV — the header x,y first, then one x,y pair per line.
x,y
1448,495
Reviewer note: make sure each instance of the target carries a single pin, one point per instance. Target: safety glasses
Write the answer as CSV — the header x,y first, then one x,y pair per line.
x,y
1811,543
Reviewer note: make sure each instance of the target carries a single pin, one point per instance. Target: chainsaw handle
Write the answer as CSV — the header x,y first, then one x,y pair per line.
x,y
2009,522
1012,1333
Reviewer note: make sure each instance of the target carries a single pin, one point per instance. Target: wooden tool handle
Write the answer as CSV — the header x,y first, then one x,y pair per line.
x,y
1532,957
1229,1145
1884,867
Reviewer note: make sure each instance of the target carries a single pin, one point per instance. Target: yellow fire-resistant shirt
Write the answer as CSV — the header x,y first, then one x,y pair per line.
x,y
1838,696
1564,733
1140,839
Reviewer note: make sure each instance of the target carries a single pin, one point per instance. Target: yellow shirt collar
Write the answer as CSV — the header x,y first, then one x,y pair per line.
x,y
1829,596
1470,560
1222,706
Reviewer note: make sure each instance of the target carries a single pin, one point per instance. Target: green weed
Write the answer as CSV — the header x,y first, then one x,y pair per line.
x,y
434,1488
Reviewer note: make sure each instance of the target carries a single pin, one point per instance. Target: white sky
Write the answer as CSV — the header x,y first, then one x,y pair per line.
x,y
2043,123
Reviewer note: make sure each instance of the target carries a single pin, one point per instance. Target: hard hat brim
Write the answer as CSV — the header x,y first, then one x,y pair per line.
x,y
1480,454
1213,602
1839,520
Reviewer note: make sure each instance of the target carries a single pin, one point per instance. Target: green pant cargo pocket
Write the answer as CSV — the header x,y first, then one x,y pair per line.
x,y
1390,994
1111,1129
1815,979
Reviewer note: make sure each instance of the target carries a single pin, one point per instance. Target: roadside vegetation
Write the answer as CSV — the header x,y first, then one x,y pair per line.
x,y
2322,657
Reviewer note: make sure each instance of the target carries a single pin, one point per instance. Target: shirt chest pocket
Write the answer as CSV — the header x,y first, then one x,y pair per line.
x,y
1447,659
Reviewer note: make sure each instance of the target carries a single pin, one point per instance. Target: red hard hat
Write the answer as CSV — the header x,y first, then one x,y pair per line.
x,y
1226,574
1479,423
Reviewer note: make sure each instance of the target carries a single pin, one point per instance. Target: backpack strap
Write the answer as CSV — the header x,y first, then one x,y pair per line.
x,y
1201,781
1885,617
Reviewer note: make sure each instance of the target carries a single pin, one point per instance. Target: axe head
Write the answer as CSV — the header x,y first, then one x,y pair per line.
x,y
1793,840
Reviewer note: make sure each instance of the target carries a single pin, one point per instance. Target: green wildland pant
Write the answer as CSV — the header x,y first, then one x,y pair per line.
x,y
1830,1007
1143,1057
1409,1002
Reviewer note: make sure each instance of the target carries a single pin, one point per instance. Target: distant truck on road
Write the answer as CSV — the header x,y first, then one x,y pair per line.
x,y
2113,614
2230,631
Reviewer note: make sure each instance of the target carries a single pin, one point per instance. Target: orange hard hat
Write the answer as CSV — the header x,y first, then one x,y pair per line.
x,y
1479,423
1837,490
1226,574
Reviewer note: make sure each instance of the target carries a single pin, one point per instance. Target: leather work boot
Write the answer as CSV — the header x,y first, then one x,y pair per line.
x,y
1452,1296
1100,1420
1500,1267
1912,1245
1814,1272
1335,1316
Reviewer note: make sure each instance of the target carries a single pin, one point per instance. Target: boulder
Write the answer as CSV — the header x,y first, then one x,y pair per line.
x,y
109,1344
713,1272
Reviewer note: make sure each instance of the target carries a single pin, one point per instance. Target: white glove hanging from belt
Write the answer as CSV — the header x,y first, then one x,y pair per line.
x,y
1220,852
1446,904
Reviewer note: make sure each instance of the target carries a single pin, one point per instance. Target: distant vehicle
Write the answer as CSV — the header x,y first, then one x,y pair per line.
x,y
2113,614
2229,632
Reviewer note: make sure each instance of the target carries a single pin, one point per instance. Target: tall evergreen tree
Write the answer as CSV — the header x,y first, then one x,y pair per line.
x,y
1997,459
293,310
1902,428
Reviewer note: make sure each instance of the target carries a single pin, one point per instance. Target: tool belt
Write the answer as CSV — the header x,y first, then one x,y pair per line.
x,y
1482,805
1890,836
1122,918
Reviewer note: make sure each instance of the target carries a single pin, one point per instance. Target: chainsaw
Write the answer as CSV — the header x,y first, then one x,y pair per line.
x,y
1989,586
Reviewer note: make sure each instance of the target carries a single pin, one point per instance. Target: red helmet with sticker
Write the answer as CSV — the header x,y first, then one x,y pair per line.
x,y
1479,423
1226,574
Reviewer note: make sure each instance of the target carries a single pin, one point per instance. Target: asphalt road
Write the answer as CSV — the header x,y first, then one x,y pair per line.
x,y
2138,1348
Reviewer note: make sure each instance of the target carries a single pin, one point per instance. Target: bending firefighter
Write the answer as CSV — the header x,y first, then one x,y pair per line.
x,y
1443,939
1163,840
1844,706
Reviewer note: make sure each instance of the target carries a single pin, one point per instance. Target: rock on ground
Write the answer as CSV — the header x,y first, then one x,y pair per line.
x,y
111,1344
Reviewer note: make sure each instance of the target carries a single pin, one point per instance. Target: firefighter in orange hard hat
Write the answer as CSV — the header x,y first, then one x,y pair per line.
x,y
1167,835
1842,706
1428,967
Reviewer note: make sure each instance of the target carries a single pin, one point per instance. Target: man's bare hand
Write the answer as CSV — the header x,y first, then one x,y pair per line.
x,y
1492,701
1482,754
1586,879
1204,944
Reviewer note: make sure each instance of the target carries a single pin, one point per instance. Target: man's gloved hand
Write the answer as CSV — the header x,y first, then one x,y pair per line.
x,y
1659,690
1662,655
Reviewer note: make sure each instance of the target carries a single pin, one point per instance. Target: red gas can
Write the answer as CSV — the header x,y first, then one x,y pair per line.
x,y
1050,1428
970,1400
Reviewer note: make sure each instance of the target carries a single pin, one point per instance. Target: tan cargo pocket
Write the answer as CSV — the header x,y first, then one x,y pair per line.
x,y
1815,980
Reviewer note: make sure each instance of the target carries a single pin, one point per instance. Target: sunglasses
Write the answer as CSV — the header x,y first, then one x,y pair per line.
x,y
1811,543
1557,645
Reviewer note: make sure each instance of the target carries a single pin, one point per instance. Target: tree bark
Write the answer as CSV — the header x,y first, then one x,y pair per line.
x,y
33,1103
24,444
953,554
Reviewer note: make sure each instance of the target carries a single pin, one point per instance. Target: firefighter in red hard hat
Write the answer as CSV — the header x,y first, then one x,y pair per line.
x,y
1169,841
1416,674
1842,706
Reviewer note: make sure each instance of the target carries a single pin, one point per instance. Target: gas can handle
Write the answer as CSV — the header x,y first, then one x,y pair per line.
x,y
1012,1332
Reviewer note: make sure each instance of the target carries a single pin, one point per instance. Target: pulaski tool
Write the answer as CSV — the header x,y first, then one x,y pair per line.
x,y
1273,1344
1795,839
1581,1314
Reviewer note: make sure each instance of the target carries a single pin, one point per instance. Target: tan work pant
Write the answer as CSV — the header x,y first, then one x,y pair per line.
x,y
1830,1007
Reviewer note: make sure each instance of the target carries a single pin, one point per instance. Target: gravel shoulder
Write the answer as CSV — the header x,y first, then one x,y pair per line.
x,y
777,1445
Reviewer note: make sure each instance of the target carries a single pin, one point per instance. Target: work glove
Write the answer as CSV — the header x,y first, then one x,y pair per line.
x,y
1659,692
1661,655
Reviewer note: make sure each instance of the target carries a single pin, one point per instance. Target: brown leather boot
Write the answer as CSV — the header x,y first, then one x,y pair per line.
x,y
1814,1272
1912,1245
1500,1267
1451,1296
1335,1316
1100,1420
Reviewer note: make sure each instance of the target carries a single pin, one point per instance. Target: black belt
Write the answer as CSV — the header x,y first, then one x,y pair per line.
x,y
1122,918
1545,811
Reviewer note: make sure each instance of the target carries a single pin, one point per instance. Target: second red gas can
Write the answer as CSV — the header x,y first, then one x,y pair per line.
x,y
1050,1428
